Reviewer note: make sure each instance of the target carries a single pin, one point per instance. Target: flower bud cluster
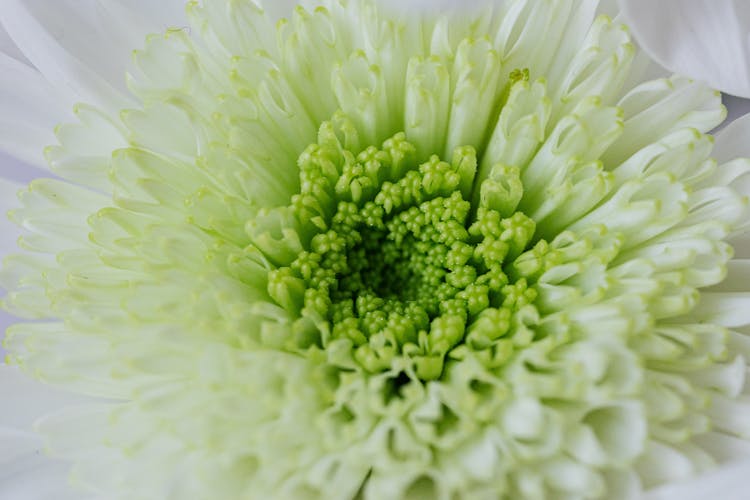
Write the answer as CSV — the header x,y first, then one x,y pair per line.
x,y
400,266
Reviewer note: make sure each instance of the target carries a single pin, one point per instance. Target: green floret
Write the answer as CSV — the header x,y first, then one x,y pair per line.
x,y
402,268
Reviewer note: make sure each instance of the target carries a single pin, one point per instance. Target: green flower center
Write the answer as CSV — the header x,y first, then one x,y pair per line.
x,y
396,261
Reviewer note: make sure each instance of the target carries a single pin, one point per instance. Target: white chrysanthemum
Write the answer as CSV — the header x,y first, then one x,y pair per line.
x,y
360,254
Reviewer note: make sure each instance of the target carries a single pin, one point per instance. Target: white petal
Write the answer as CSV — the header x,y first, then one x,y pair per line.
x,y
430,5
728,309
736,107
16,170
137,18
724,447
81,48
277,9
738,277
608,8
27,474
9,48
25,400
25,471
732,142
9,232
726,483
31,109
708,40
50,33
5,321
86,45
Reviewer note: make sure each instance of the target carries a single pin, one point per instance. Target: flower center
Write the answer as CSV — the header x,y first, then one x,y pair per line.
x,y
395,262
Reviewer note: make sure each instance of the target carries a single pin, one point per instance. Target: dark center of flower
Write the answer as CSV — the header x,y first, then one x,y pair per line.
x,y
397,263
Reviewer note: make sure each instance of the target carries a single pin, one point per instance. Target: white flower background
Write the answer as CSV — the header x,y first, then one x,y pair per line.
x,y
84,47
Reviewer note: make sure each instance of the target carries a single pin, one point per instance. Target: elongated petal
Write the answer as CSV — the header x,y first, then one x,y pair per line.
x,y
16,170
727,483
708,40
25,400
25,473
86,45
8,47
31,107
431,5
62,42
278,9
737,107
732,142
137,18
9,232
81,51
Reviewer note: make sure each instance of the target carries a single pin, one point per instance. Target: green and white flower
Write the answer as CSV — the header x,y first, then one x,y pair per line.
x,y
359,253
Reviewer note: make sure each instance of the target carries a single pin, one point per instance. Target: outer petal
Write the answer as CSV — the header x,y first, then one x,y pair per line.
x,y
85,45
729,482
12,168
707,40
278,9
736,107
733,141
25,400
9,232
8,47
63,41
18,171
31,108
726,483
140,17
431,5
81,51
25,472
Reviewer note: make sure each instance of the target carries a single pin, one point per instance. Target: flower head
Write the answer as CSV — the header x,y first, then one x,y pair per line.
x,y
357,254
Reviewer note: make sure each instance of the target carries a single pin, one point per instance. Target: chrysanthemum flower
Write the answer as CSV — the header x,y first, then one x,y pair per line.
x,y
360,253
